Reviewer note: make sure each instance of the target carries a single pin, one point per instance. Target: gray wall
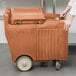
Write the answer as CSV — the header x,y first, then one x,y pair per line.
x,y
61,4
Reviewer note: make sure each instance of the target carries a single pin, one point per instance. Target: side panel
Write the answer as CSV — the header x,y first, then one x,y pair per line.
x,y
52,41
21,40
47,44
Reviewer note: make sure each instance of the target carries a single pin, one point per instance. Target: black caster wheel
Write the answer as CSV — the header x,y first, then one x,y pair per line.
x,y
58,65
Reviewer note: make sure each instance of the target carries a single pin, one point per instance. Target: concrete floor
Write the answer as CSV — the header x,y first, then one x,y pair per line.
x,y
8,68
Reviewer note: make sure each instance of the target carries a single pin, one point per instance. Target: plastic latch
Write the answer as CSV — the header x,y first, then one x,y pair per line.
x,y
37,22
58,18
17,22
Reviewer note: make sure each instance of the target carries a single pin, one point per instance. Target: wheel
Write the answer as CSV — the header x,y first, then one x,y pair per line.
x,y
24,63
58,65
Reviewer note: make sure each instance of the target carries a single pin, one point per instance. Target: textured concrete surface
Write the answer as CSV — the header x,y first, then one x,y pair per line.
x,y
8,68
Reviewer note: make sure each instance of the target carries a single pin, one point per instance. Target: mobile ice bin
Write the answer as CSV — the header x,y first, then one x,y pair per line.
x,y
35,36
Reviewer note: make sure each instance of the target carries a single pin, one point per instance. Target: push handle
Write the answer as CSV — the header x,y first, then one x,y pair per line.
x,y
7,15
59,18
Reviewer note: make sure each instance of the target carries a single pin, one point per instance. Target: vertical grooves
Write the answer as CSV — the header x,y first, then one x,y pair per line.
x,y
47,44
40,44
50,43
43,44
54,44
37,44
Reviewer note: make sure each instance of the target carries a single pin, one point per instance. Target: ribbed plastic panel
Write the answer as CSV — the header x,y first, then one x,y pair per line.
x,y
47,44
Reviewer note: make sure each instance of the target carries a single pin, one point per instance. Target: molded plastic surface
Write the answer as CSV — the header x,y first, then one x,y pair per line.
x,y
41,41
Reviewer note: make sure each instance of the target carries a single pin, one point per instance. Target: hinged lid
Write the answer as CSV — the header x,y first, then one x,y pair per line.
x,y
28,14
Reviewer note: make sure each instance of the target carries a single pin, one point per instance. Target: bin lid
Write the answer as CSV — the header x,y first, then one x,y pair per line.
x,y
27,14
